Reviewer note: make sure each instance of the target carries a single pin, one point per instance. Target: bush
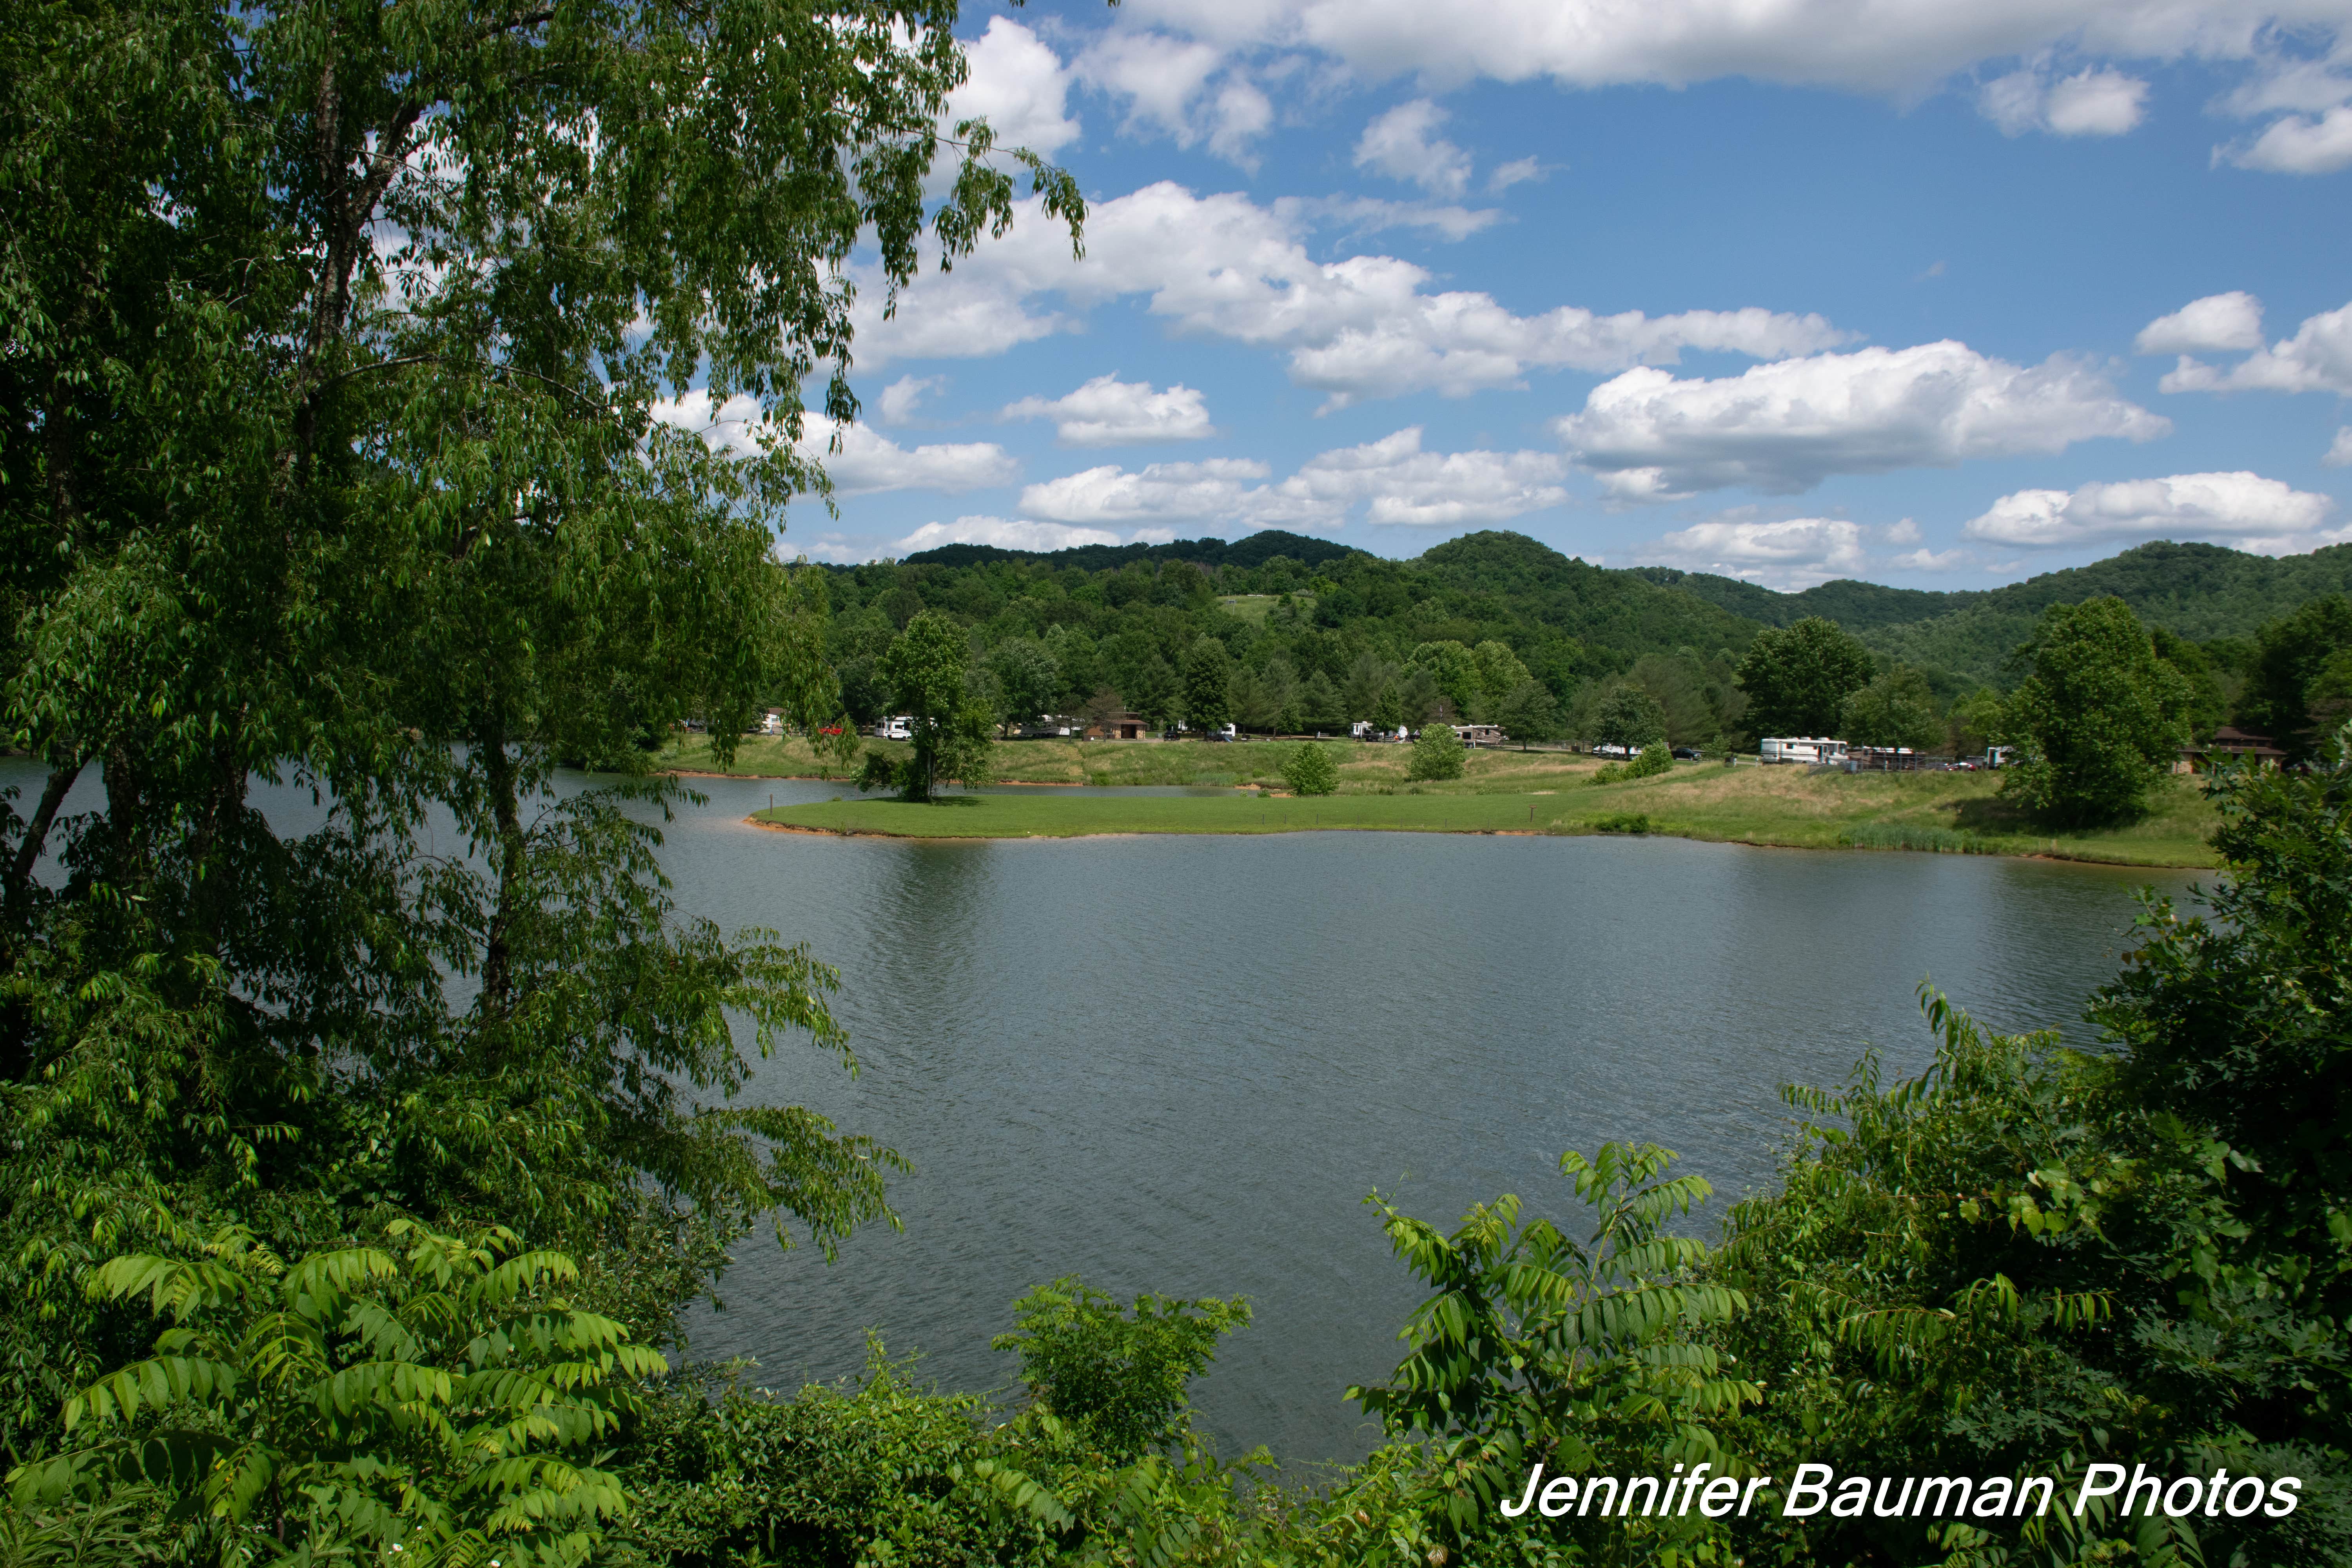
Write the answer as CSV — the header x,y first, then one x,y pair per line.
x,y
1310,770
1656,758
1118,1374
1622,822
1438,754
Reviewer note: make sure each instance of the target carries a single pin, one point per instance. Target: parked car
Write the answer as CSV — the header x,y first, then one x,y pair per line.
x,y
1687,753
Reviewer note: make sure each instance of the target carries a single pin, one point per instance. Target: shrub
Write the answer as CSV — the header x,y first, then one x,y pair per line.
x,y
1121,1374
1309,770
1438,753
1656,758
1622,822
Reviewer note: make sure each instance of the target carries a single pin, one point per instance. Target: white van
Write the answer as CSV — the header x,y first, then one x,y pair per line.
x,y
900,727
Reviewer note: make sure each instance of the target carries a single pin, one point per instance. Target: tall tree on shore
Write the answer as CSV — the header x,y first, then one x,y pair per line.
x,y
1798,678
1208,685
2100,718
346,426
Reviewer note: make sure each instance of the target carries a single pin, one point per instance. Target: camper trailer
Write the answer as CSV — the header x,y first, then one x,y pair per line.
x,y
1807,749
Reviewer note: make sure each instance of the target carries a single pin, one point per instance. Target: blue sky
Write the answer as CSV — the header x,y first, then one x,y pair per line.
x,y
1941,293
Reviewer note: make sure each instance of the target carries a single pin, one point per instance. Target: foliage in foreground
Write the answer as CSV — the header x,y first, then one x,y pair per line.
x,y
435,1397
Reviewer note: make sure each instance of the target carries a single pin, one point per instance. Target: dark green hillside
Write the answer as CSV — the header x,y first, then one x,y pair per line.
x,y
1250,551
1323,627
1857,606
2195,591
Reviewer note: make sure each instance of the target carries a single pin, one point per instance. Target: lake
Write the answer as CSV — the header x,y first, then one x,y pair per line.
x,y
1180,1064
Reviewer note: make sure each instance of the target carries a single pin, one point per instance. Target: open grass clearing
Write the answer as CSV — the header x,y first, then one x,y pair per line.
x,y
1780,806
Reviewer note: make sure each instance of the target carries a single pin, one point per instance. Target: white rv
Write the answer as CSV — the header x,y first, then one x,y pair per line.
x,y
1801,749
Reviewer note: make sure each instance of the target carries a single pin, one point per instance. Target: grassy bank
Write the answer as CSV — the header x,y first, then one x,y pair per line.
x,y
1511,792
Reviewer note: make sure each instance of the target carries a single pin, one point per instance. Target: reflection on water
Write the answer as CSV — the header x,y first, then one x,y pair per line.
x,y
1178,1064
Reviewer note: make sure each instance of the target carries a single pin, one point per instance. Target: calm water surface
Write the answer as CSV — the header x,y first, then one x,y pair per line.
x,y
1178,1064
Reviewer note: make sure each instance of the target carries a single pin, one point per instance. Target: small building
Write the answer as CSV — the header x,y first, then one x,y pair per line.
x,y
2229,745
1118,727
1480,734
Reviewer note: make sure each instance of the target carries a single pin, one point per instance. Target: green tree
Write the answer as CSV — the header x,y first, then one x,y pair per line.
x,y
926,668
1798,678
1208,685
1320,701
1155,691
1530,714
1437,752
1369,677
1310,770
1500,673
341,418
1418,698
2290,655
1897,709
2100,719
1028,680
1452,670
1975,723
1628,716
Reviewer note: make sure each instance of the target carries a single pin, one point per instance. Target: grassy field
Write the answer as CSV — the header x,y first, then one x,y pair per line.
x,y
1504,792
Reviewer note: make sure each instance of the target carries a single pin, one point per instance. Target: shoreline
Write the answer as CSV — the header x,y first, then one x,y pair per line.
x,y
2053,857
1236,791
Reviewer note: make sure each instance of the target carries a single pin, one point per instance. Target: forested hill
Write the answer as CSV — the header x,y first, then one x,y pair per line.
x,y
2196,591
1250,550
1125,615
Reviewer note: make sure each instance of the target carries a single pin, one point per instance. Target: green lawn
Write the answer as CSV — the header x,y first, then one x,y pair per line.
x,y
1784,806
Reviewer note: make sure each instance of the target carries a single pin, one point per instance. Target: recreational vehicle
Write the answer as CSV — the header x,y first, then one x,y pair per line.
x,y
1801,749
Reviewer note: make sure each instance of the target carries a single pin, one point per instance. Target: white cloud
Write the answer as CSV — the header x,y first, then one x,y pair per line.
x,y
1787,426
2339,453
2218,324
1399,145
2243,507
1516,171
1894,49
2296,145
1108,412
1795,552
1224,267
1166,83
867,463
1903,49
899,398
1392,479
1925,559
1400,483
2093,101
1019,86
1158,492
1005,533
1370,214
2319,358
